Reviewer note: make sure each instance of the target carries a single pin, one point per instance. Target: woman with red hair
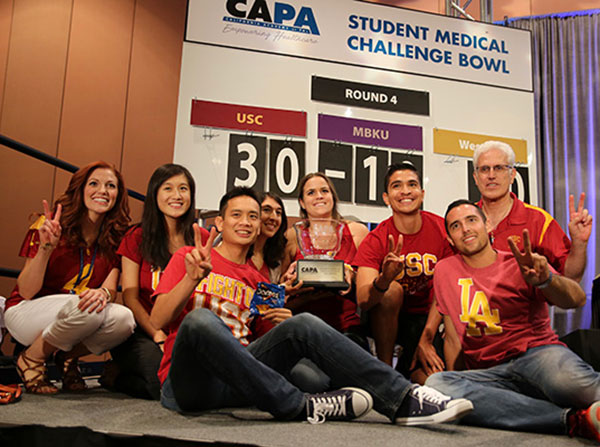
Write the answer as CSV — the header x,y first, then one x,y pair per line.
x,y
62,303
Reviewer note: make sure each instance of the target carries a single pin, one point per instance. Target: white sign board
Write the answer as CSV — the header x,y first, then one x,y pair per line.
x,y
364,34
272,90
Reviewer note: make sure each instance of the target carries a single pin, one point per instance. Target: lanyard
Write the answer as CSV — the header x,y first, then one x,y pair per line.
x,y
81,265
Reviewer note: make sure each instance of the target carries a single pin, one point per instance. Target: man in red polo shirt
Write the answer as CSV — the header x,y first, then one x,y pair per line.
x,y
508,216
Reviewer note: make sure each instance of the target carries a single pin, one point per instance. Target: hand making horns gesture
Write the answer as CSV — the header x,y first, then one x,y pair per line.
x,y
197,261
393,264
534,267
50,230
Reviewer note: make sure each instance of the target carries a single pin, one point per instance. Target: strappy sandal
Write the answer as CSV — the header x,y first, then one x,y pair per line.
x,y
38,382
71,376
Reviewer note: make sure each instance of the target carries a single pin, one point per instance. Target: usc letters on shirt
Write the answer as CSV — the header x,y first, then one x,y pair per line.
x,y
226,291
421,252
497,315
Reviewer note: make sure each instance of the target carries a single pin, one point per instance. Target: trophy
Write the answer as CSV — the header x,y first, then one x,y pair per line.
x,y
319,241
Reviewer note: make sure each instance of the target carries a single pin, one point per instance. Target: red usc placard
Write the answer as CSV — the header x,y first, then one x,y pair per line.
x,y
259,119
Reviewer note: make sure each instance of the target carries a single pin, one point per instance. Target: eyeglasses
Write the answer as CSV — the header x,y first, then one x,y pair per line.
x,y
500,169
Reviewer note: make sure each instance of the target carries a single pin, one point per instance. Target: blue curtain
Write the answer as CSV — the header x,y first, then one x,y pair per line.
x,y
566,74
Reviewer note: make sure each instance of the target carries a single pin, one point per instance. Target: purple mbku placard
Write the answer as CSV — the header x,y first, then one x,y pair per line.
x,y
370,133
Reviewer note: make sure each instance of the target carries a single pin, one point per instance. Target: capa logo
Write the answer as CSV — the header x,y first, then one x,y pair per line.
x,y
284,15
309,269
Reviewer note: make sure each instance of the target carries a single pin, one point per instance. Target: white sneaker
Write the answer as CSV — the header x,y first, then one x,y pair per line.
x,y
341,405
424,405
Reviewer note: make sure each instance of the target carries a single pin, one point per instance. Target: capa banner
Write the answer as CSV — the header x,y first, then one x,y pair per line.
x,y
369,35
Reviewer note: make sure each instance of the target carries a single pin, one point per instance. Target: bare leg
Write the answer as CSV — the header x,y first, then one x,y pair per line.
x,y
78,350
40,349
67,363
384,322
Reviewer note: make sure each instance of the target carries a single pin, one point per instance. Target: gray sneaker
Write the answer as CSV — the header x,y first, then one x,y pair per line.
x,y
424,405
341,405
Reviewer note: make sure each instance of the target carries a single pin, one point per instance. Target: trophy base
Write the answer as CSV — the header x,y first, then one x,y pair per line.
x,y
321,274
326,285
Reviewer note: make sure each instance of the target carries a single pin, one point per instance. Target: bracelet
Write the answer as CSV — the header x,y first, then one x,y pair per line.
x,y
108,294
47,246
162,342
546,283
379,289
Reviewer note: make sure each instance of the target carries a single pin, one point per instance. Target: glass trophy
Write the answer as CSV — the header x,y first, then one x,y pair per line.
x,y
319,241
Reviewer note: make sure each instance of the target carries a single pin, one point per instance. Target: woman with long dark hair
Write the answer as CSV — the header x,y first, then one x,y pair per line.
x,y
63,301
145,251
269,255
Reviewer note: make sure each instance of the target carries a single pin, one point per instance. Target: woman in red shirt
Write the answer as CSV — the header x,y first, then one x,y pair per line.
x,y
63,299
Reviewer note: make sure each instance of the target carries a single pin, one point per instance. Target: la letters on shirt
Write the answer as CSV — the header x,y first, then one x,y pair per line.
x,y
497,315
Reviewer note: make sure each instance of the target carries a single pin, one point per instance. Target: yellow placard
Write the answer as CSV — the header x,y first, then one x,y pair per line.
x,y
464,144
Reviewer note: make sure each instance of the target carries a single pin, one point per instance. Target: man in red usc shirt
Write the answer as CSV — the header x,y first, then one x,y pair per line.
x,y
396,262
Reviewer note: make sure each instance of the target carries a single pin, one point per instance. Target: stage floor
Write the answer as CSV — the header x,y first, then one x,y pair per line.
x,y
123,417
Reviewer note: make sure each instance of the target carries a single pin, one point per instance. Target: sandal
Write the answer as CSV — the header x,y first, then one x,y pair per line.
x,y
71,376
38,382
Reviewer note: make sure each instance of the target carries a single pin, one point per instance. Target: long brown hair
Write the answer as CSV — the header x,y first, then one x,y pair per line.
x,y
115,221
334,213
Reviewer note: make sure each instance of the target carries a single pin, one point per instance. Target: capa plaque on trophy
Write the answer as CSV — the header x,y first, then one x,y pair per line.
x,y
319,241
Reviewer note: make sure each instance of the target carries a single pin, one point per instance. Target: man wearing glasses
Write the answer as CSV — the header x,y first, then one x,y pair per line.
x,y
508,217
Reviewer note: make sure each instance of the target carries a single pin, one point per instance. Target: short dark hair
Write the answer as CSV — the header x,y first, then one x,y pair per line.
x,y
460,202
404,166
236,192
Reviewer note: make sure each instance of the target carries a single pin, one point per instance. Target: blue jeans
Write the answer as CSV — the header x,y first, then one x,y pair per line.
x,y
531,392
211,369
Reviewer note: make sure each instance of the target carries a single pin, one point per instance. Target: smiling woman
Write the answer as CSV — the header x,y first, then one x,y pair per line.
x,y
62,302
271,254
145,252
318,200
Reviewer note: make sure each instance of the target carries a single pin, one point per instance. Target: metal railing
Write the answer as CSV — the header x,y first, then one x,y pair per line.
x,y
34,153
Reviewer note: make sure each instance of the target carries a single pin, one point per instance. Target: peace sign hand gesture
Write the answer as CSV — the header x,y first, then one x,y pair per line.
x,y
197,261
534,267
580,221
393,264
50,230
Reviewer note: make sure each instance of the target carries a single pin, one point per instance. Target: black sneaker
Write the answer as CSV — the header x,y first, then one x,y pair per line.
x,y
341,405
424,405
